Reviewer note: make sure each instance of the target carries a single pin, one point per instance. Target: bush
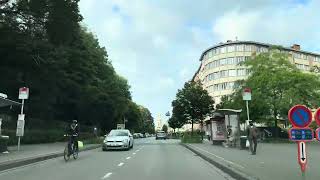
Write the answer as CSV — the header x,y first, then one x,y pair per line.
x,y
188,138
94,140
42,136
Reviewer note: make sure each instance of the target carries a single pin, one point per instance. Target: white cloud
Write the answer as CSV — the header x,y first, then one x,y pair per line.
x,y
156,45
166,82
114,28
296,24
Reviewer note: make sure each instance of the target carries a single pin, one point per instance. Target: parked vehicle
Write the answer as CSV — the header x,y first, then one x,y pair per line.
x,y
118,139
136,135
141,135
161,135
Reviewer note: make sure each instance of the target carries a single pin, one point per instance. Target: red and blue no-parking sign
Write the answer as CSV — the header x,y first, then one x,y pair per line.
x,y
317,116
300,116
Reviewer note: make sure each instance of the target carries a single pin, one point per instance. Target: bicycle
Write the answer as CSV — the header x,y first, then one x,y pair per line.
x,y
74,150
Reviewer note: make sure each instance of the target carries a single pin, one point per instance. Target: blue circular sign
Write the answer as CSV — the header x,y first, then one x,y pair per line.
x,y
300,116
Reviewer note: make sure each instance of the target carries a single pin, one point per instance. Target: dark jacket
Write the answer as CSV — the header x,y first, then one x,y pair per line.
x,y
73,129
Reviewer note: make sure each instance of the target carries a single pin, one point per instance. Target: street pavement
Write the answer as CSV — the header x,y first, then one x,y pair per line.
x,y
149,159
273,161
29,151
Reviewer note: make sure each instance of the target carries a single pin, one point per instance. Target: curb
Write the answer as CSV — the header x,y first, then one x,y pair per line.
x,y
233,172
22,162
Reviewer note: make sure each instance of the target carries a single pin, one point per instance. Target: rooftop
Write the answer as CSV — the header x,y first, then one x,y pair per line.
x,y
257,43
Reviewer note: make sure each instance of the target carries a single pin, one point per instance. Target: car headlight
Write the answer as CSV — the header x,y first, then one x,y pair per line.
x,y
125,140
105,141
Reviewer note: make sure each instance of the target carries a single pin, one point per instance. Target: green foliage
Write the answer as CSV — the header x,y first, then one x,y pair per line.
x,y
139,119
175,123
192,104
191,138
165,128
276,86
43,47
94,140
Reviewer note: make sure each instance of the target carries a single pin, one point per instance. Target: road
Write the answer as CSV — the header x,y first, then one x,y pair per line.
x,y
149,159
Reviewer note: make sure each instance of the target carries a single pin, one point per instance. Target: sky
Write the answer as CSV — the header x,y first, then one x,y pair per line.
x,y
156,44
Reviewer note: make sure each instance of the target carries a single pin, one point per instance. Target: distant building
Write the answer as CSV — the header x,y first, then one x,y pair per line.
x,y
159,123
220,69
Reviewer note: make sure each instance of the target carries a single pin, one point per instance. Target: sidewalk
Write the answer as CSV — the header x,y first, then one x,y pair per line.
x,y
273,161
34,153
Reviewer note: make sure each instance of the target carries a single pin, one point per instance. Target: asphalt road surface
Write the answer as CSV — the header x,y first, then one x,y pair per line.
x,y
150,159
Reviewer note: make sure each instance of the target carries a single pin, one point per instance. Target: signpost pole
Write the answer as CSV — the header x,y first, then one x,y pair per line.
x,y
247,97
247,104
22,105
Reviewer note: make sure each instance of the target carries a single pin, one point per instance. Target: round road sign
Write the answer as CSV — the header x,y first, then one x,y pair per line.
x,y
317,116
300,116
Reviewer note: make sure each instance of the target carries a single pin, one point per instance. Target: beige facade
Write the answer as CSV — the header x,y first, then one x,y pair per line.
x,y
220,69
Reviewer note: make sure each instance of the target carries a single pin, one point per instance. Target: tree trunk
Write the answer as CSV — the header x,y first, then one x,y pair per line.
x,y
201,130
276,128
191,128
276,132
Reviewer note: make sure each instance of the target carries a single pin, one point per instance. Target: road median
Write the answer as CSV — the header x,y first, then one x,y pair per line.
x,y
9,164
234,170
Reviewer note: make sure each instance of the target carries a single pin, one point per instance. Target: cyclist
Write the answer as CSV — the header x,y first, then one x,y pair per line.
x,y
73,132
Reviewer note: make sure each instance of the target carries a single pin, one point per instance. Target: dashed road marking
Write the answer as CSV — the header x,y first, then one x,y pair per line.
x,y
106,176
133,153
120,164
128,157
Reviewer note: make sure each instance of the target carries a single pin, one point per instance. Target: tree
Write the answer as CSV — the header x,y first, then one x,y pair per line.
x,y
276,86
193,103
44,47
165,128
174,122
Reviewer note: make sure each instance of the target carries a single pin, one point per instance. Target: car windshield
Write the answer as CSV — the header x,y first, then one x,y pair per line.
x,y
118,133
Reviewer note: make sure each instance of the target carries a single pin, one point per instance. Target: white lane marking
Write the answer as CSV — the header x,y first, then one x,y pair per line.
x,y
106,176
137,150
120,164
133,153
128,157
235,164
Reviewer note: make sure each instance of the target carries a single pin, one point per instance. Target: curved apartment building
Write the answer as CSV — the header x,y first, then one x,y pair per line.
x,y
220,69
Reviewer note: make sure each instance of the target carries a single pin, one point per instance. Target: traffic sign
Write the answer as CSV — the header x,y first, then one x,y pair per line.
x,y
246,94
301,134
300,116
317,116
23,93
302,155
318,134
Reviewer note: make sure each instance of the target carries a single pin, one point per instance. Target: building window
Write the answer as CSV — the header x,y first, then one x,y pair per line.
x,y
210,54
213,52
241,72
297,55
232,72
304,56
311,58
230,48
240,48
248,48
223,50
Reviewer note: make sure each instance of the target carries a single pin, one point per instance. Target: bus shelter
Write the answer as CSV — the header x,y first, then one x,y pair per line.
x,y
224,126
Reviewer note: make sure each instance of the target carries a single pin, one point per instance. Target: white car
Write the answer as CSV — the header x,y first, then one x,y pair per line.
x,y
118,139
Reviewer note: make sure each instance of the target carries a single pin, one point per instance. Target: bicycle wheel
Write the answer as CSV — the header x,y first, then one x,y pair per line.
x,y
75,153
66,154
